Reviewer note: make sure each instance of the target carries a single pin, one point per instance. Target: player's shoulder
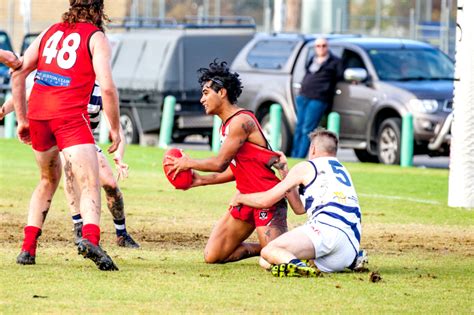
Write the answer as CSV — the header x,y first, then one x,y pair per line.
x,y
242,117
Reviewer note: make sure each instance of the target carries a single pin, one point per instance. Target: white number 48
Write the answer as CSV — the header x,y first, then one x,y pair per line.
x,y
66,56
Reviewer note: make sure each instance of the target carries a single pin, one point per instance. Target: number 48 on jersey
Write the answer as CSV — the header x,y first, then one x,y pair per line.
x,y
65,56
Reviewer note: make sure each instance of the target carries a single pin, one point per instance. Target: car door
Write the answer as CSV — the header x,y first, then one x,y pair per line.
x,y
354,100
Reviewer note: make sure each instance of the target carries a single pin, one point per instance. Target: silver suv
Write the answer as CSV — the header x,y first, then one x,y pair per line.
x,y
383,80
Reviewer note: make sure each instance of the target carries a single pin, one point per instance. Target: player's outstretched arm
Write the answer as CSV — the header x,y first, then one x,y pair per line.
x,y
9,59
212,179
239,130
101,59
268,198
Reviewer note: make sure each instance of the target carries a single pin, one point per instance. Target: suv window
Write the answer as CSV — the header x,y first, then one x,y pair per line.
x,y
271,54
411,64
351,59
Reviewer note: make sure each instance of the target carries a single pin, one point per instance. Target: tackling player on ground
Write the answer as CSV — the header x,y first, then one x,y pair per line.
x,y
331,236
244,157
68,56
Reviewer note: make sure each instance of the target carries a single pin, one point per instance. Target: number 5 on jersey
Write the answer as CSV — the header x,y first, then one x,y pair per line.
x,y
66,56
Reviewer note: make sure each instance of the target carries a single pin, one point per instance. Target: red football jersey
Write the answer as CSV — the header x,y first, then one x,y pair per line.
x,y
251,165
65,76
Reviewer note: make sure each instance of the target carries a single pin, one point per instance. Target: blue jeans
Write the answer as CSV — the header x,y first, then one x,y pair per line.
x,y
309,113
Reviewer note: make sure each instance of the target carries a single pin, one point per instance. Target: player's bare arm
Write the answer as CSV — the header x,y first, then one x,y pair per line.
x,y
120,166
9,59
240,128
212,179
266,199
101,56
30,59
6,108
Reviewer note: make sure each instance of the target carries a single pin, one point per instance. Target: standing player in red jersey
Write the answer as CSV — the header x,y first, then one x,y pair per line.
x,y
68,56
244,157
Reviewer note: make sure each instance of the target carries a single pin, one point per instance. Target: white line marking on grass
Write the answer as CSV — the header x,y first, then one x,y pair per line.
x,y
432,202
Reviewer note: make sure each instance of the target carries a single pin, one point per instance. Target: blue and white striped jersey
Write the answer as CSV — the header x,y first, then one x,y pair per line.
x,y
330,199
95,106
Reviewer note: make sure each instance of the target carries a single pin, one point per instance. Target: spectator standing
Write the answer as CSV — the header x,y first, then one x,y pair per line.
x,y
317,91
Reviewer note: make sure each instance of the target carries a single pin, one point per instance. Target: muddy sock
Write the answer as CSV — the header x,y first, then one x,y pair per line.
x,y
91,232
298,262
77,218
31,239
120,228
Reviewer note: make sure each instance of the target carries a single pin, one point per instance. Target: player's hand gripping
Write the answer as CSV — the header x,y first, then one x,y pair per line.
x,y
177,164
234,201
282,164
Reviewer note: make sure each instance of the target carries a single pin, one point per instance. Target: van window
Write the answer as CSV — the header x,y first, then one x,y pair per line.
x,y
271,54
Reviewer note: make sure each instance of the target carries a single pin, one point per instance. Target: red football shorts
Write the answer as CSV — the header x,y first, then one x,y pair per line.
x,y
63,132
273,216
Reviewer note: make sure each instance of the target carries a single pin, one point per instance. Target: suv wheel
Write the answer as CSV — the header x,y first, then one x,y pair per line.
x,y
364,156
129,126
286,140
388,141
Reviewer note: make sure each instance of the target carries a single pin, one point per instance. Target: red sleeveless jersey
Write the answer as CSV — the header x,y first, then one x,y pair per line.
x,y
251,165
65,76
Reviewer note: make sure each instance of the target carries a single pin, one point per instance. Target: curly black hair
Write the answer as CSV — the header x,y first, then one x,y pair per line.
x,y
221,77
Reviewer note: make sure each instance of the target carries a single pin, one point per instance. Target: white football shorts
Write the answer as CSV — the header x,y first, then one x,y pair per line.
x,y
333,250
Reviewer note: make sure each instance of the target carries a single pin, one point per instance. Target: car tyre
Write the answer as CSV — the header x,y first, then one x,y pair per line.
x,y
389,141
364,156
129,126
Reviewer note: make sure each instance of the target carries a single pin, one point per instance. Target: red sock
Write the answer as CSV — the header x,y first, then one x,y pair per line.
x,y
31,238
91,232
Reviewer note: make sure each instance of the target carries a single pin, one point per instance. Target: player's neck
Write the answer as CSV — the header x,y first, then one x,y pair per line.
x,y
227,111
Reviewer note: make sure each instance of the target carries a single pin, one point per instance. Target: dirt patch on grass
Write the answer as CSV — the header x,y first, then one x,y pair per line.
x,y
397,239
382,238
57,231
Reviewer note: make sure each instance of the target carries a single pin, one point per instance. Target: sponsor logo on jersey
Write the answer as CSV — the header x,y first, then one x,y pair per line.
x,y
52,79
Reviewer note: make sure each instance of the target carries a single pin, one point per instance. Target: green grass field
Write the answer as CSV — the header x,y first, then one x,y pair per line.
x,y
423,250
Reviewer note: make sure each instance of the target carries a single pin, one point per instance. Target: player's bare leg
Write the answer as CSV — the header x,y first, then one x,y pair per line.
x,y
285,254
225,243
73,197
114,202
81,165
50,174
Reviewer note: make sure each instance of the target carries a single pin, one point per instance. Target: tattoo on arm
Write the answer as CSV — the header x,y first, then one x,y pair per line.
x,y
248,126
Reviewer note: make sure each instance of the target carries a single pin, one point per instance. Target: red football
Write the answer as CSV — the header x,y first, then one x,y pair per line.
x,y
184,179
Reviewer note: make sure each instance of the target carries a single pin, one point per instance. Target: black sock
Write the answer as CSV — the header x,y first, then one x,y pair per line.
x,y
120,228
77,218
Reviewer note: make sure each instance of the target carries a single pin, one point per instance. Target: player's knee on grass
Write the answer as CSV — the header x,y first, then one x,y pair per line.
x,y
265,253
264,264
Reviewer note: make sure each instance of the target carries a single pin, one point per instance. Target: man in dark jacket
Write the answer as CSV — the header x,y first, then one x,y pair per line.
x,y
317,90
